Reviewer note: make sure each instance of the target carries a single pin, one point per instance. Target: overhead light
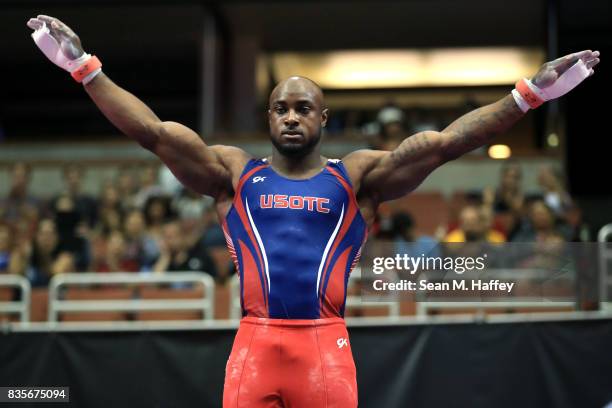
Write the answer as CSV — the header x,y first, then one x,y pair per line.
x,y
409,67
500,151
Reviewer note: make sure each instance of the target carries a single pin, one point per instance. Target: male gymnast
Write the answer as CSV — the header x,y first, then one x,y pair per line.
x,y
295,221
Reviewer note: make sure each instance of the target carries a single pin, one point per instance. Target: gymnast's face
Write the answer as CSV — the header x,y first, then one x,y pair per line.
x,y
296,116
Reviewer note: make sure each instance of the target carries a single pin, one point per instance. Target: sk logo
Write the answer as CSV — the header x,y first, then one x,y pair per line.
x,y
342,342
258,179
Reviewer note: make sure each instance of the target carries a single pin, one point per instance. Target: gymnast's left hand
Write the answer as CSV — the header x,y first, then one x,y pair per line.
x,y
552,71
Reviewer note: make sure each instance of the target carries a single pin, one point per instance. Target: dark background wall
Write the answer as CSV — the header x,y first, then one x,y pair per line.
x,y
154,48
547,364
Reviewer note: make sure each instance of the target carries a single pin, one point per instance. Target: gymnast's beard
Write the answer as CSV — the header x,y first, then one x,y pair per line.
x,y
296,150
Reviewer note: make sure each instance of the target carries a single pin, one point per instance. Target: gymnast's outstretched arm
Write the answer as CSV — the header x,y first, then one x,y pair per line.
x,y
389,175
210,170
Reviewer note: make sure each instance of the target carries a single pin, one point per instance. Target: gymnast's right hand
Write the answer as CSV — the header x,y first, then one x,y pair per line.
x,y
62,46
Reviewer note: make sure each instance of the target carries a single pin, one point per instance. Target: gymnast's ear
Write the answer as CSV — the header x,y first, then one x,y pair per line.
x,y
324,116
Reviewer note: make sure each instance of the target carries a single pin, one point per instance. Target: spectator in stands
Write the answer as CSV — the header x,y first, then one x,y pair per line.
x,y
126,186
406,240
509,195
115,257
475,237
212,235
140,247
508,201
549,253
180,252
7,253
110,220
191,205
149,185
391,124
555,195
84,204
474,226
198,216
540,223
110,216
157,211
22,235
72,231
19,204
5,248
110,212
46,257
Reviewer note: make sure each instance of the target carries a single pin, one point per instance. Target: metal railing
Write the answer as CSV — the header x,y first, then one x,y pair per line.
x,y
57,305
352,301
605,256
21,306
393,305
423,308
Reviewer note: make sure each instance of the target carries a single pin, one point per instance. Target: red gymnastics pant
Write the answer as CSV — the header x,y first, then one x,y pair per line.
x,y
292,364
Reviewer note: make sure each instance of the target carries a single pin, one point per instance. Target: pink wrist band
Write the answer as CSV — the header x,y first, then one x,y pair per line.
x,y
528,95
86,68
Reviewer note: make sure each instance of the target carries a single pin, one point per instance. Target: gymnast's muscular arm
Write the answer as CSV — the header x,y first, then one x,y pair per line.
x,y
210,170
389,175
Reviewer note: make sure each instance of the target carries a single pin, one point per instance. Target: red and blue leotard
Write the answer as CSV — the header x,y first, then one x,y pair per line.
x,y
294,242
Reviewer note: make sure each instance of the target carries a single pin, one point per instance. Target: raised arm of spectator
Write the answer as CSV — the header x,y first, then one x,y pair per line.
x,y
388,175
207,170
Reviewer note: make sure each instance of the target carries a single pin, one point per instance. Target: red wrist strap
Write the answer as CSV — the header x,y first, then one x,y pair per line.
x,y
530,97
86,68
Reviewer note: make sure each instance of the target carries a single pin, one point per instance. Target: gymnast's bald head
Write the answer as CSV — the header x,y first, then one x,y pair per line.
x,y
298,87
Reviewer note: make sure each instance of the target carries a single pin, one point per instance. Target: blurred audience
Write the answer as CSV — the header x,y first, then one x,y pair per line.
x,y
548,253
5,248
140,247
136,225
390,126
127,228
110,211
125,183
157,211
191,205
541,223
567,213
213,235
115,258
8,256
149,185
507,202
45,255
475,226
406,240
84,204
180,250
19,204
554,192
71,231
